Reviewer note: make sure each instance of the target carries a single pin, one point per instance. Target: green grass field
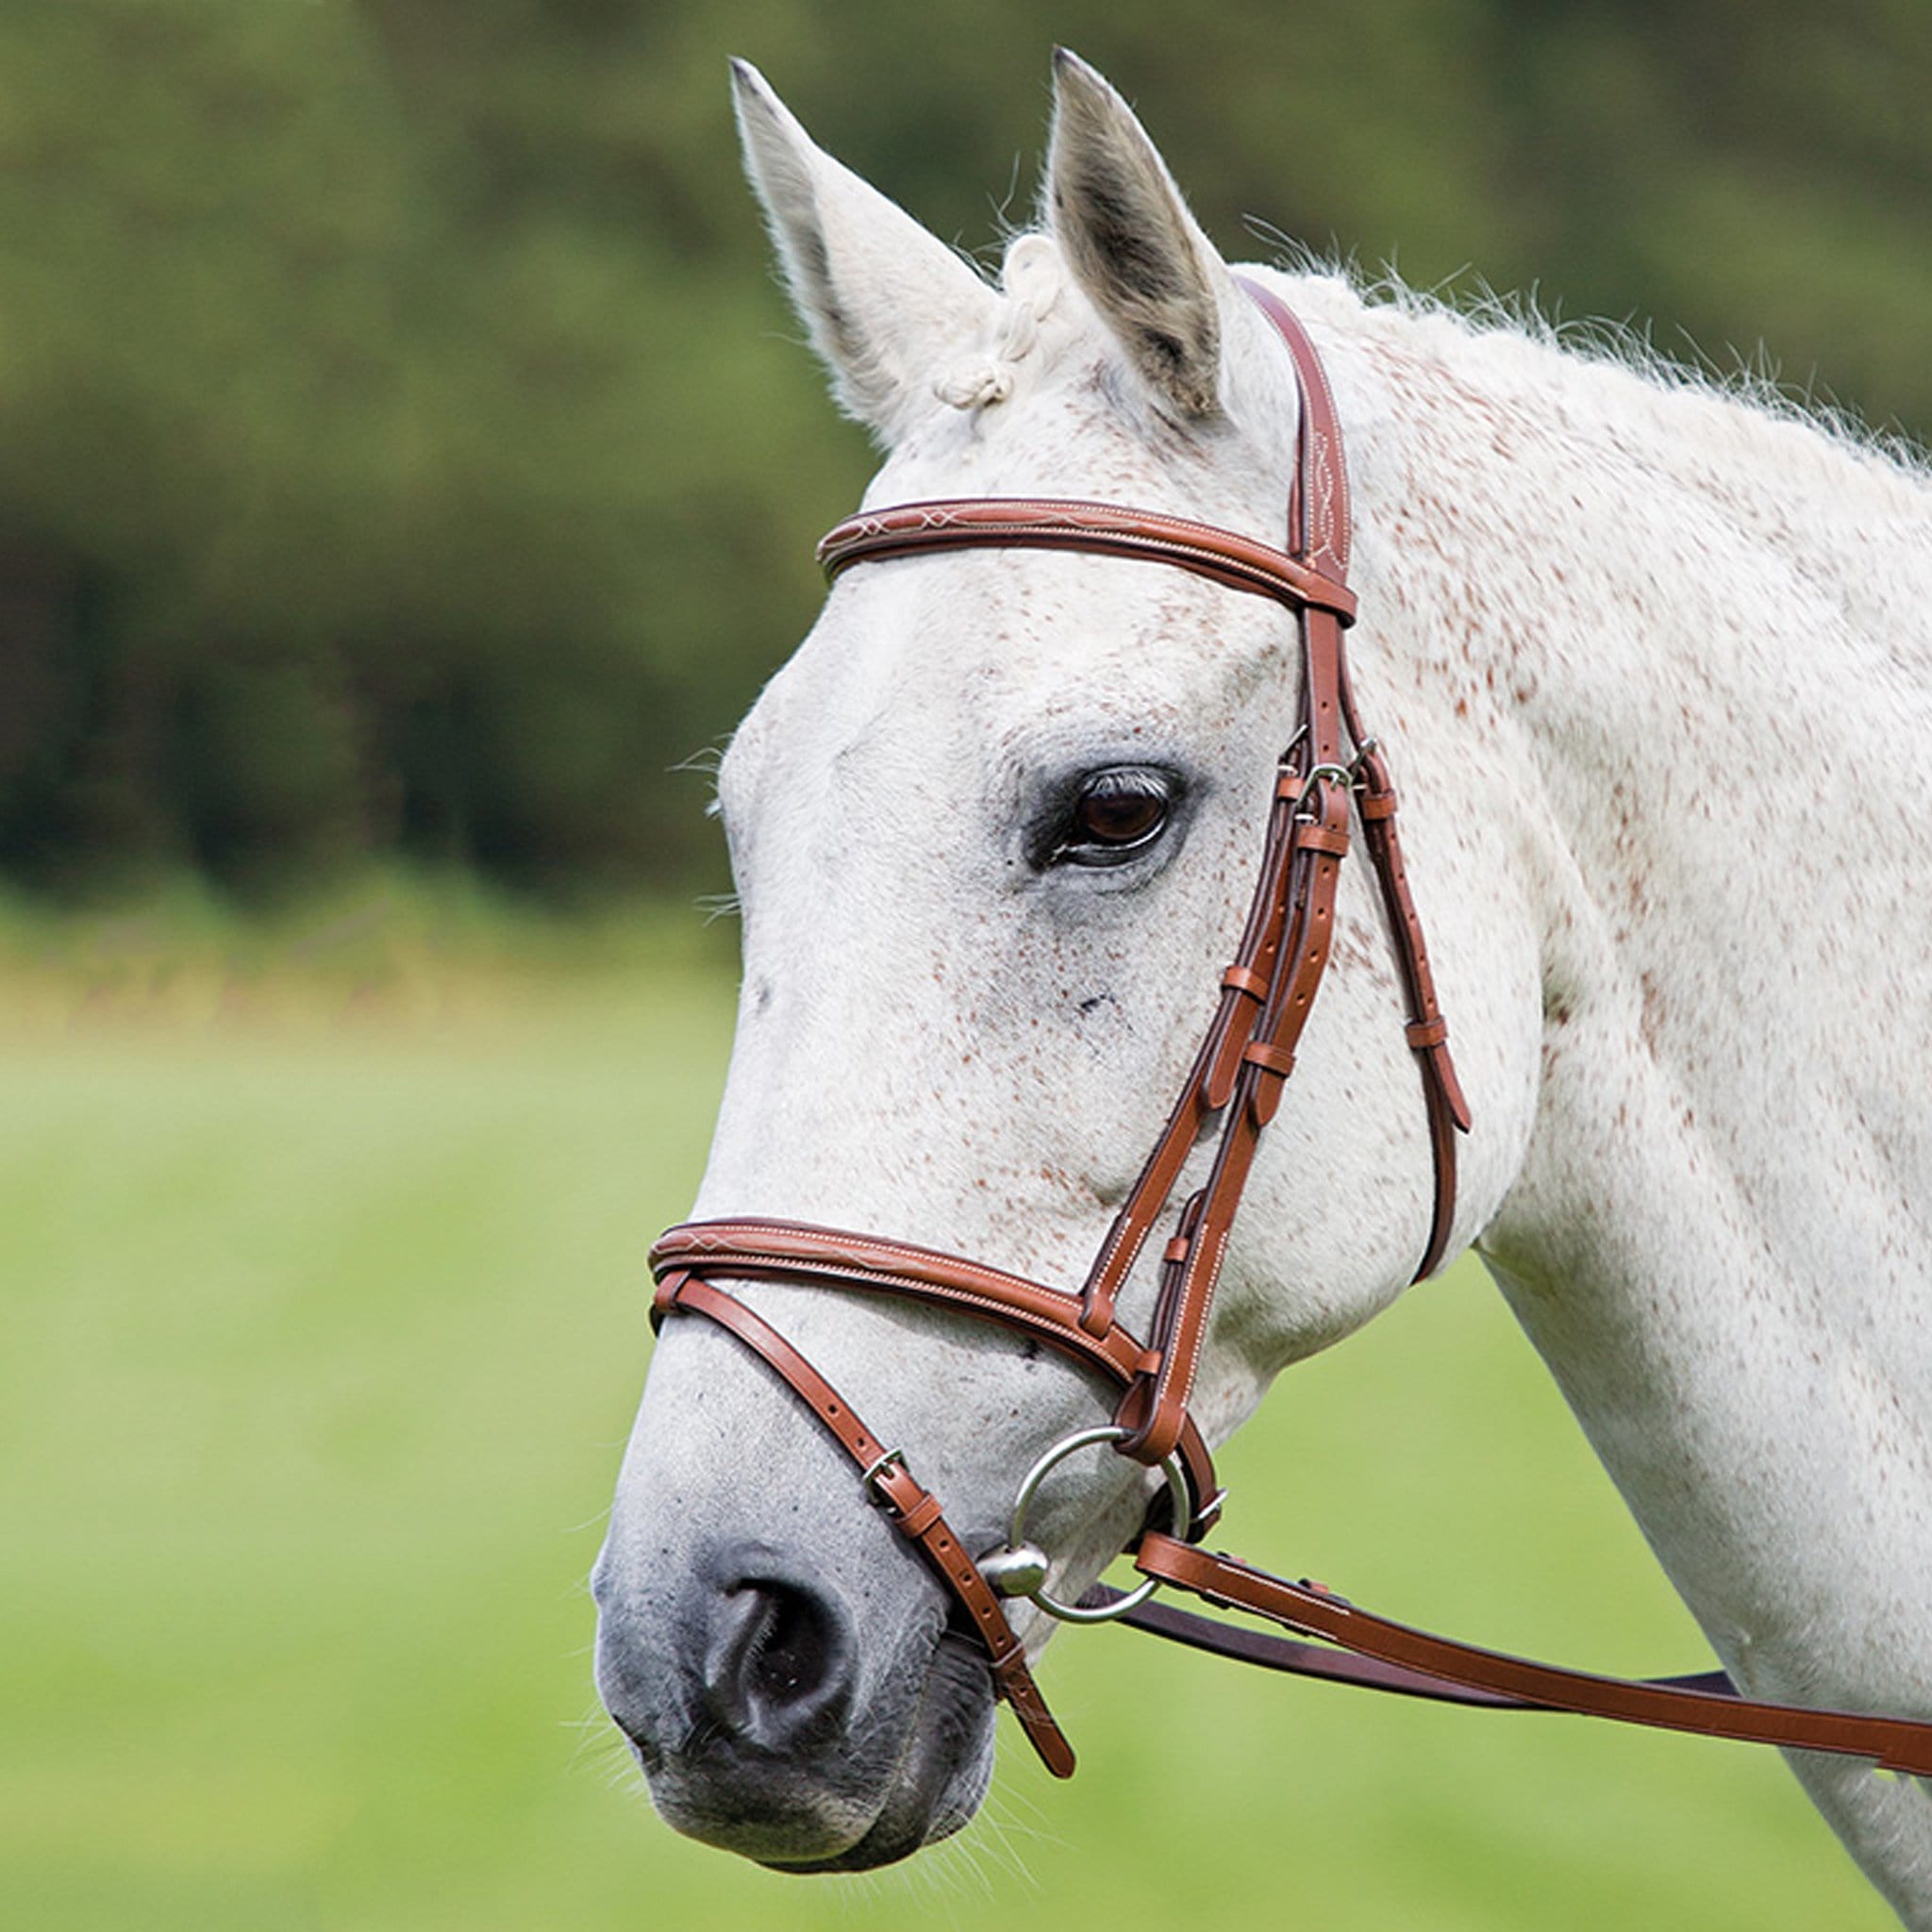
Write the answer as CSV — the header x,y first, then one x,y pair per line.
x,y
322,1324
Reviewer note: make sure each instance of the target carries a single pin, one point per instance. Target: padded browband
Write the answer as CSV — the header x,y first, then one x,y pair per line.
x,y
1017,522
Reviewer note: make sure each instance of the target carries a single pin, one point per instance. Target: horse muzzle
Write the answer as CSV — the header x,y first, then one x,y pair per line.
x,y
768,1724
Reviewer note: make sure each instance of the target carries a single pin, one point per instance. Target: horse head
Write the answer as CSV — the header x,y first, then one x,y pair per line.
x,y
995,829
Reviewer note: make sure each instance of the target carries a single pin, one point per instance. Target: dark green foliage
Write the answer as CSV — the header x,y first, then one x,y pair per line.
x,y
401,445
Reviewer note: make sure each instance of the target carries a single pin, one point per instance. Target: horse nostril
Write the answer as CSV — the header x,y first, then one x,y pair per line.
x,y
789,1658
779,1669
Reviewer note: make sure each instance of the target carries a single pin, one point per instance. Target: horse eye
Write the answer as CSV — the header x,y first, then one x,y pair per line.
x,y
1116,815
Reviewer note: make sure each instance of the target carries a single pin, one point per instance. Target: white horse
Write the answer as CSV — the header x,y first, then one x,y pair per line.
x,y
1654,668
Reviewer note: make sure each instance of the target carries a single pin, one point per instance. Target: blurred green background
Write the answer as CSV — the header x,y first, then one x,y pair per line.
x,y
406,465
403,450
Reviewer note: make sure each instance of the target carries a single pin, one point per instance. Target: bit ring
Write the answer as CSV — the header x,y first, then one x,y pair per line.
x,y
1022,1501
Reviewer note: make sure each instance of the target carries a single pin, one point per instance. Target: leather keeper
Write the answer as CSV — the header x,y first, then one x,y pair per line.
x,y
665,1297
1265,1053
922,1516
1422,1033
1244,980
1313,836
1376,805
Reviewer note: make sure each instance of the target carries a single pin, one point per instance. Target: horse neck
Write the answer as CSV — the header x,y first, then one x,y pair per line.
x,y
1680,649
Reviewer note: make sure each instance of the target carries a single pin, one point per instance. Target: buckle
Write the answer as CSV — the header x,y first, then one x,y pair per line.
x,y
869,1478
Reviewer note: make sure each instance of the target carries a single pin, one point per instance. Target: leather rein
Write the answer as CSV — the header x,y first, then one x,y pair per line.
x,y
1331,771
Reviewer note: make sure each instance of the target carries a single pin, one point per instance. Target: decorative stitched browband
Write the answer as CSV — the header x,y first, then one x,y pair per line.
x,y
1235,1084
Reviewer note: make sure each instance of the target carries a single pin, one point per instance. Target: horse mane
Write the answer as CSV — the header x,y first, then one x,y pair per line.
x,y
1826,500
1777,429
1472,311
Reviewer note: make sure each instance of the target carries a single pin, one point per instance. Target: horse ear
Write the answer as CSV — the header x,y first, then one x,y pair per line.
x,y
1157,281
882,299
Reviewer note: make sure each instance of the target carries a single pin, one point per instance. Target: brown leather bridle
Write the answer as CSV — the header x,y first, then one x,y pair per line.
x,y
1330,766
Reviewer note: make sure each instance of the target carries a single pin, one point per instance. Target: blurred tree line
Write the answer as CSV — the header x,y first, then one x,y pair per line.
x,y
403,449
